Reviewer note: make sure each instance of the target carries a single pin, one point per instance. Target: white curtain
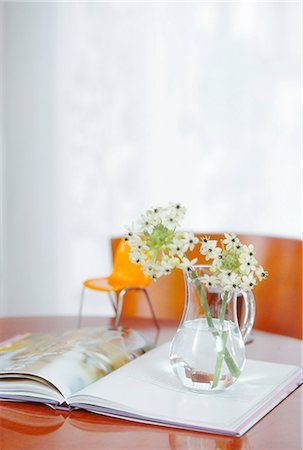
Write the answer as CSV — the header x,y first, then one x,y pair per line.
x,y
129,105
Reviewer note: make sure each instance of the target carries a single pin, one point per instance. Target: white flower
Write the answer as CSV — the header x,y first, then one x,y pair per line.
x,y
229,280
247,263
137,245
168,265
233,262
156,245
177,248
261,274
207,244
154,214
152,270
180,211
210,250
189,241
210,280
205,239
248,282
136,257
131,235
231,241
186,264
146,224
249,249
216,266
171,219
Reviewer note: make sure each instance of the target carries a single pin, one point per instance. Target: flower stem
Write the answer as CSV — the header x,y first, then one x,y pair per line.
x,y
221,354
234,370
203,301
219,360
223,309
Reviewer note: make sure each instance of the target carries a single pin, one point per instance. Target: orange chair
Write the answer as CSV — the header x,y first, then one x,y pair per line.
x,y
125,277
278,298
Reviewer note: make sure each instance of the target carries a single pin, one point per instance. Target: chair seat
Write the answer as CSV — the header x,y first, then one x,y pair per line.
x,y
109,284
103,284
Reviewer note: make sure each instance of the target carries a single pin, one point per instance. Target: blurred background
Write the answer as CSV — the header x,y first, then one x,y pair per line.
x,y
108,109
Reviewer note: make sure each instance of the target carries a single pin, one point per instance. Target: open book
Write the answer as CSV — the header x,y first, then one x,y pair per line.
x,y
146,390
50,367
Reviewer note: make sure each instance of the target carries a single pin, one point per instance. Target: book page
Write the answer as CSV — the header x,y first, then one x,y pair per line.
x,y
25,389
147,389
66,361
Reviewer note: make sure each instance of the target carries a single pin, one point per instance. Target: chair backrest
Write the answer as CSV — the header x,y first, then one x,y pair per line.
x,y
278,298
123,269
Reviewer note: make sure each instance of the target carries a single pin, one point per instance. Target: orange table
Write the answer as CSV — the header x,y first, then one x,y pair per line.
x,y
35,427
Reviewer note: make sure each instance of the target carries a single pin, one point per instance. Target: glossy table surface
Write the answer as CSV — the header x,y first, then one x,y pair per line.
x,y
37,427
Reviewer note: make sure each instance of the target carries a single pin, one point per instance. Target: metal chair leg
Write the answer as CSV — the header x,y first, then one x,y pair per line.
x,y
114,304
82,302
119,307
151,308
81,306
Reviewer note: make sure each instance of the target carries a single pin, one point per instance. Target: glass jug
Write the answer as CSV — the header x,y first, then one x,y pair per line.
x,y
207,353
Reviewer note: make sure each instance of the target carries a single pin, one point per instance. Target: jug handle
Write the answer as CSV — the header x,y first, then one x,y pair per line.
x,y
249,314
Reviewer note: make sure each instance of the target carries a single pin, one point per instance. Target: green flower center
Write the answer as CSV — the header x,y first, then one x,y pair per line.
x,y
230,262
160,238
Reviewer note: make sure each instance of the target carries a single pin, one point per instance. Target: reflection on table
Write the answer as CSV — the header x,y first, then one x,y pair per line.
x,y
38,427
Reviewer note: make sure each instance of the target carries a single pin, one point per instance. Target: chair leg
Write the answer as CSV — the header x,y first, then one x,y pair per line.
x,y
151,308
119,307
112,302
81,306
